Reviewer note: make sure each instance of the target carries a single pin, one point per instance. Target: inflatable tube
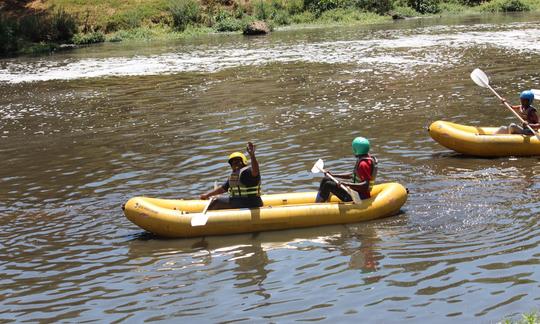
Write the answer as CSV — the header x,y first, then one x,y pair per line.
x,y
172,218
481,141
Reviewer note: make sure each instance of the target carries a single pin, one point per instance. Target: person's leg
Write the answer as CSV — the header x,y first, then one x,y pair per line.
x,y
324,190
327,187
515,129
247,202
220,203
502,130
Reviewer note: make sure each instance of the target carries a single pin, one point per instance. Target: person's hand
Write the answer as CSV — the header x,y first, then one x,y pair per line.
x,y
525,124
250,149
503,100
203,196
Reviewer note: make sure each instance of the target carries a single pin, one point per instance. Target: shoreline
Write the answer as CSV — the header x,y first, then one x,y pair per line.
x,y
339,17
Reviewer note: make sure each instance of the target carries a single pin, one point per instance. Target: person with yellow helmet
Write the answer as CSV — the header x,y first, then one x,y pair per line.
x,y
243,184
360,180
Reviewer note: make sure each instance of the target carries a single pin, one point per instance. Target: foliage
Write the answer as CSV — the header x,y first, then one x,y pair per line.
x,y
504,6
526,318
405,11
125,20
380,7
8,35
63,26
90,38
228,24
472,2
425,6
294,7
184,13
320,6
262,10
303,17
57,26
348,15
281,17
34,28
453,7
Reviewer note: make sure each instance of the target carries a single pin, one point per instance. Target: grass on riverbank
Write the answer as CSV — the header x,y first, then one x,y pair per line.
x,y
41,25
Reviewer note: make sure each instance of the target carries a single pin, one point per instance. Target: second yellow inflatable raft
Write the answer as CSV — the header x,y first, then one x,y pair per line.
x,y
172,218
481,141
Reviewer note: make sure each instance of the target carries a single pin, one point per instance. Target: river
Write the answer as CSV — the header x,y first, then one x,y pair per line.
x,y
83,131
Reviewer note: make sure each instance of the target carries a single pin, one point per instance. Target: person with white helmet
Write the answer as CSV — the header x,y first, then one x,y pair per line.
x,y
243,184
361,179
527,112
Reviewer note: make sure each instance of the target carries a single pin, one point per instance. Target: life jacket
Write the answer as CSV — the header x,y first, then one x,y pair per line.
x,y
238,189
526,113
374,167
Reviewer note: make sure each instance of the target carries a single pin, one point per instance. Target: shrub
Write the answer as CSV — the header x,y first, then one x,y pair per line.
x,y
63,26
505,6
425,6
90,38
472,2
263,10
184,13
8,37
294,7
228,25
405,11
303,18
35,28
452,7
378,6
127,20
281,17
57,26
320,6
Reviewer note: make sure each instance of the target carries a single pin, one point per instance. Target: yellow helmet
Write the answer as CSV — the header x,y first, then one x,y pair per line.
x,y
238,155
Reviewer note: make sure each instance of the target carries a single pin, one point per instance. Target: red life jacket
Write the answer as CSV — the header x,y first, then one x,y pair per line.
x,y
373,163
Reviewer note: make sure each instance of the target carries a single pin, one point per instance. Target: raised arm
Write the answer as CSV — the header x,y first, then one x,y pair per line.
x,y
254,162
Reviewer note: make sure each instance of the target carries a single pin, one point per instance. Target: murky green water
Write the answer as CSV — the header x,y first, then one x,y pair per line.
x,y
82,132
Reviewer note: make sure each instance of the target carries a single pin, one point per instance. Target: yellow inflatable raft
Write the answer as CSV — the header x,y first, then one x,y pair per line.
x,y
172,218
480,141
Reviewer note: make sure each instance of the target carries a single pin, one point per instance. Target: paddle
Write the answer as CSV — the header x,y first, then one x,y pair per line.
x,y
481,79
201,218
319,167
536,93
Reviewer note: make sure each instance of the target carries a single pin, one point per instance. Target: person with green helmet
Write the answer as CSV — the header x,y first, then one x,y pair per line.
x,y
361,179
527,112
243,184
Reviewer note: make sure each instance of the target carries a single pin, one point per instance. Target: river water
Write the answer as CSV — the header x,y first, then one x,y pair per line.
x,y
83,131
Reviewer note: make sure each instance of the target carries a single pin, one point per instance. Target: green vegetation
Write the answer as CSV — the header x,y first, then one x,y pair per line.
x,y
527,318
28,26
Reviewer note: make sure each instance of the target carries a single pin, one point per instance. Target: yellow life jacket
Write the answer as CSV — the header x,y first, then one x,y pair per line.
x,y
238,189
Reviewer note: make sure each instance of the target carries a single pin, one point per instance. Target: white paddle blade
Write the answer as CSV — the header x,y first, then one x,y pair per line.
x,y
202,218
355,196
536,93
480,78
199,220
318,167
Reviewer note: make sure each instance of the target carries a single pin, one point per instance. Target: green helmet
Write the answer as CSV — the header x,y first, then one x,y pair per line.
x,y
360,146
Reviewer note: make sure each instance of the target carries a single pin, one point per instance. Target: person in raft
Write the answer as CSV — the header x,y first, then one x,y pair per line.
x,y
361,179
527,112
243,184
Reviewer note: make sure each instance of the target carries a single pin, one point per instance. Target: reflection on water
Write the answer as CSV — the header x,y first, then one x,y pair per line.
x,y
117,121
